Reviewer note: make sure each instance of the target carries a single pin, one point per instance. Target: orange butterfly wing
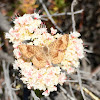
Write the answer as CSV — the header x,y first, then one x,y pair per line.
x,y
27,51
35,53
40,58
57,49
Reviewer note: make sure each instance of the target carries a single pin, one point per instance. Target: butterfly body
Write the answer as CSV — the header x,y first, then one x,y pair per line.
x,y
40,56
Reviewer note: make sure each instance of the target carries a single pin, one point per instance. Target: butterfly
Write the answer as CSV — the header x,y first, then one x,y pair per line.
x,y
41,56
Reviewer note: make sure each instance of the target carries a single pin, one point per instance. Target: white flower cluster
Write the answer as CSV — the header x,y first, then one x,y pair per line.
x,y
30,27
73,53
43,79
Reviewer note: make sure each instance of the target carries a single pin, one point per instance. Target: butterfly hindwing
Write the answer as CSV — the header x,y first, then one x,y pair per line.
x,y
40,59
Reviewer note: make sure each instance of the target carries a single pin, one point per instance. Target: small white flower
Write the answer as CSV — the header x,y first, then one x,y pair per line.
x,y
46,93
7,35
36,16
53,31
75,34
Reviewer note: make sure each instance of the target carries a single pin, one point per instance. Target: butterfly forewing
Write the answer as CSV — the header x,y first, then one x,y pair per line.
x,y
27,51
35,53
